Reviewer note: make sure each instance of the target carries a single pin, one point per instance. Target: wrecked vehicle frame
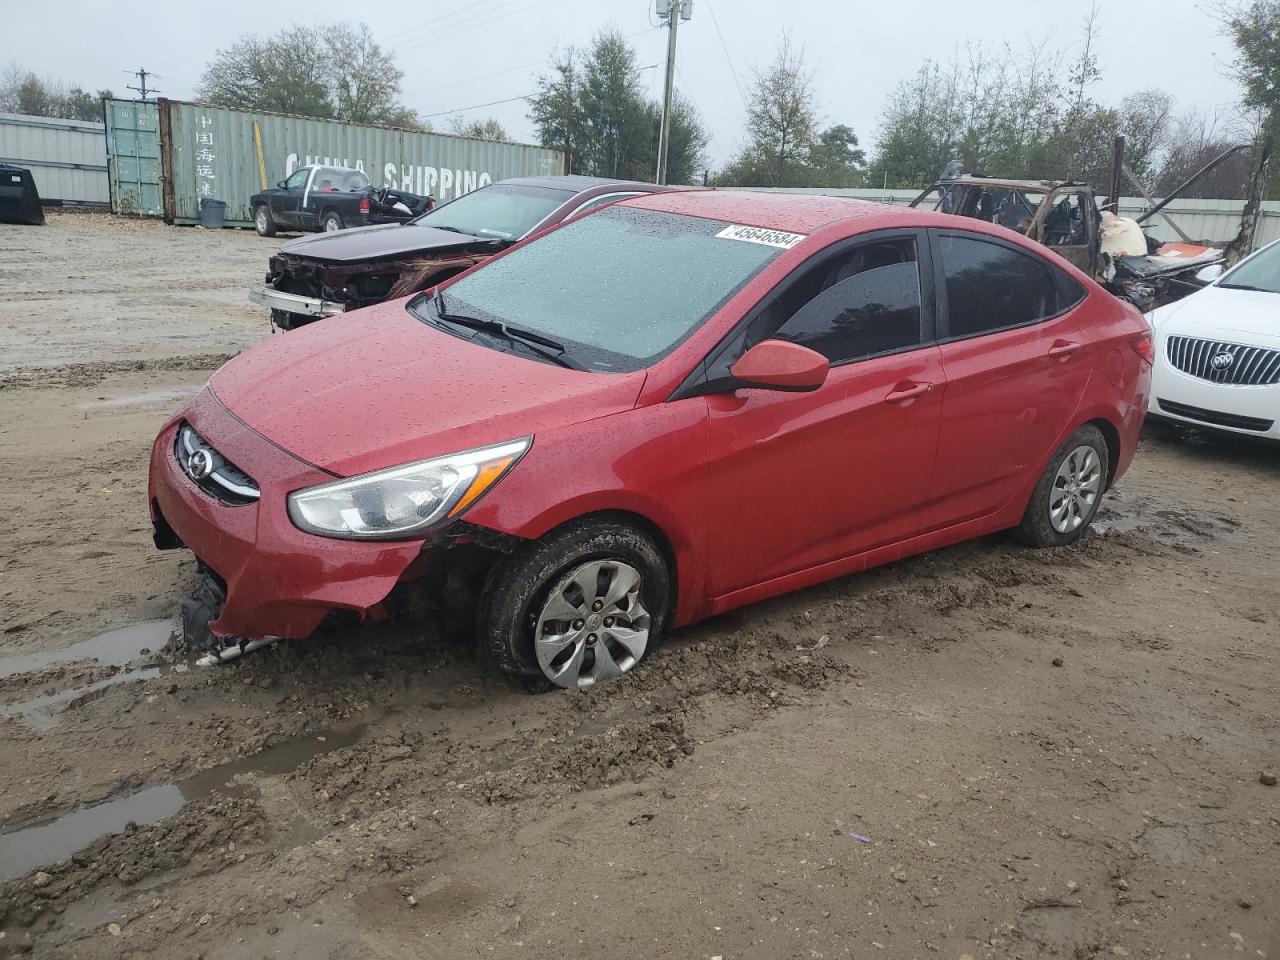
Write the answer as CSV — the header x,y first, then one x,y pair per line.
x,y
1064,216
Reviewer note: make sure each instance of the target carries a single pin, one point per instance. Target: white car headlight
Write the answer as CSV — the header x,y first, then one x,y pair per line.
x,y
403,501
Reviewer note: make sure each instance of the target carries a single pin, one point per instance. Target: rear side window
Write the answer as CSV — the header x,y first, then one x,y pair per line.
x,y
864,303
993,287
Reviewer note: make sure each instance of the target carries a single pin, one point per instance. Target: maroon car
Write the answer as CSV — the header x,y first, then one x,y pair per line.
x,y
328,273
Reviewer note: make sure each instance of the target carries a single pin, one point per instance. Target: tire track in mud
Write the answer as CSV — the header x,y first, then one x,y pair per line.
x,y
440,732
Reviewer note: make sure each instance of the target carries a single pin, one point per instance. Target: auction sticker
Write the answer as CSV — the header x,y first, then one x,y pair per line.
x,y
770,238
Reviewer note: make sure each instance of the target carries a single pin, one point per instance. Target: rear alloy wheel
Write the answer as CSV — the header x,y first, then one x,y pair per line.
x,y
263,222
332,222
1069,493
582,605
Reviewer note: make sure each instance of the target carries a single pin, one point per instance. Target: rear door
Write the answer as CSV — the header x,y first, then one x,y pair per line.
x,y
807,478
1016,365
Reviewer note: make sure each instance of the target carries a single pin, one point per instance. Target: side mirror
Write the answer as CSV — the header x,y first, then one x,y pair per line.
x,y
1210,273
280,184
781,365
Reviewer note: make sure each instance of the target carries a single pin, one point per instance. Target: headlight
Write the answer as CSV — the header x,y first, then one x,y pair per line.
x,y
403,501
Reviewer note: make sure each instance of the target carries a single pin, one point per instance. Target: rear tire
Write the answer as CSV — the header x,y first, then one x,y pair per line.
x,y
592,597
331,221
1068,494
263,222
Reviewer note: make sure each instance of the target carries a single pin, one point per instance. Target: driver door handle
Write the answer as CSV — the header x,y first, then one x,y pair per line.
x,y
1063,348
904,394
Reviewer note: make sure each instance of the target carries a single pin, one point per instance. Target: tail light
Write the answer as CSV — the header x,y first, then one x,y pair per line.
x,y
1145,347
365,207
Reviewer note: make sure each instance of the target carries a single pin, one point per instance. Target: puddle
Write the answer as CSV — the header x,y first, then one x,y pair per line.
x,y
43,713
164,395
111,649
26,846
1177,527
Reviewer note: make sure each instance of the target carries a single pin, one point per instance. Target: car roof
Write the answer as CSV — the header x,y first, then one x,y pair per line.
x,y
790,212
580,184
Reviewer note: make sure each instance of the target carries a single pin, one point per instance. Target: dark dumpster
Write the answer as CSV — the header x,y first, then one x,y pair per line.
x,y
19,201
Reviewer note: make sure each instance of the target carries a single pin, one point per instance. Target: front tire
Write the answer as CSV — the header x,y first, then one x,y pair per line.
x,y
582,605
331,222
263,222
1069,493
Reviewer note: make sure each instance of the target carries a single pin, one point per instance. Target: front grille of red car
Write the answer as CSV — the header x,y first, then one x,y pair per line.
x,y
211,471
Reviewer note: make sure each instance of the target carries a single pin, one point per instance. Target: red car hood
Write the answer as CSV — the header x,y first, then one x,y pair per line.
x,y
378,387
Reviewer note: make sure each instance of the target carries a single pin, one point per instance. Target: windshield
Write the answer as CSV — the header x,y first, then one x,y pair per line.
x,y
505,211
619,288
339,180
1260,272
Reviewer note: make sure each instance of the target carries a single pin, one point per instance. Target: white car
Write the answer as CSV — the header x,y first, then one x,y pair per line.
x,y
1218,351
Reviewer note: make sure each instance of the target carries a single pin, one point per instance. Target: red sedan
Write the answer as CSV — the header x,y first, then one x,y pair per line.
x,y
663,410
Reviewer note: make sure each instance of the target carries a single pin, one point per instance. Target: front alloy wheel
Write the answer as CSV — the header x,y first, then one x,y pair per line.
x,y
593,625
584,603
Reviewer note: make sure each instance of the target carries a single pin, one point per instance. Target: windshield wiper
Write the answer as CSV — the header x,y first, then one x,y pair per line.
x,y
1245,286
545,347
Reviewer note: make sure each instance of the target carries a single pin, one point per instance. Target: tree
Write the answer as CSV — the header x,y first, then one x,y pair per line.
x,y
686,144
489,129
781,123
556,109
613,110
333,72
21,91
592,104
1255,30
835,160
363,79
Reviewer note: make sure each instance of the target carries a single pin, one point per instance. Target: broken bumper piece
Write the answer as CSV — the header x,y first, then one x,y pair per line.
x,y
294,302
275,580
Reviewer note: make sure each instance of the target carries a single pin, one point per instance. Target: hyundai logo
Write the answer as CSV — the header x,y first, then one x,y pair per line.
x,y
199,464
1221,361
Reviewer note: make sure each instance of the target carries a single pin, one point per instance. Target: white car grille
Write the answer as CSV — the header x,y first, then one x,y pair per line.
x,y
1227,363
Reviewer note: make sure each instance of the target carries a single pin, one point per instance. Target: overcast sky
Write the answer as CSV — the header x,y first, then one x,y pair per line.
x,y
460,55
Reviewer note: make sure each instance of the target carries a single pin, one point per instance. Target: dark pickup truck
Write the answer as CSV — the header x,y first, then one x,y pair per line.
x,y
329,199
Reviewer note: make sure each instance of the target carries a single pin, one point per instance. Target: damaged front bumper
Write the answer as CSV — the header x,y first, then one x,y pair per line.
x,y
295,303
277,581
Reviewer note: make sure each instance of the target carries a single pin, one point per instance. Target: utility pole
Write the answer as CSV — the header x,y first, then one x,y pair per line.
x,y
674,11
141,74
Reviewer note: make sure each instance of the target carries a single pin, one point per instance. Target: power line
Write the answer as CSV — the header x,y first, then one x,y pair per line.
x,y
728,59
463,12
476,106
418,44
485,76
498,73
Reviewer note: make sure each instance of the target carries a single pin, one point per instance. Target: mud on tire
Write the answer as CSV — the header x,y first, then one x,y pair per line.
x,y
518,585
1037,528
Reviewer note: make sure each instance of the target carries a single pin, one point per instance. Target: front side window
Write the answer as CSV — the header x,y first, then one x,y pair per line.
x,y
866,302
500,211
993,287
298,180
619,289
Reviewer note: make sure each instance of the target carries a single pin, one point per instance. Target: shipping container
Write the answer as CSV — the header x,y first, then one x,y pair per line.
x,y
67,158
167,156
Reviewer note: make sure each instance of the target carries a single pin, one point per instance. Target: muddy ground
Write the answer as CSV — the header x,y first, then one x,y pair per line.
x,y
986,751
